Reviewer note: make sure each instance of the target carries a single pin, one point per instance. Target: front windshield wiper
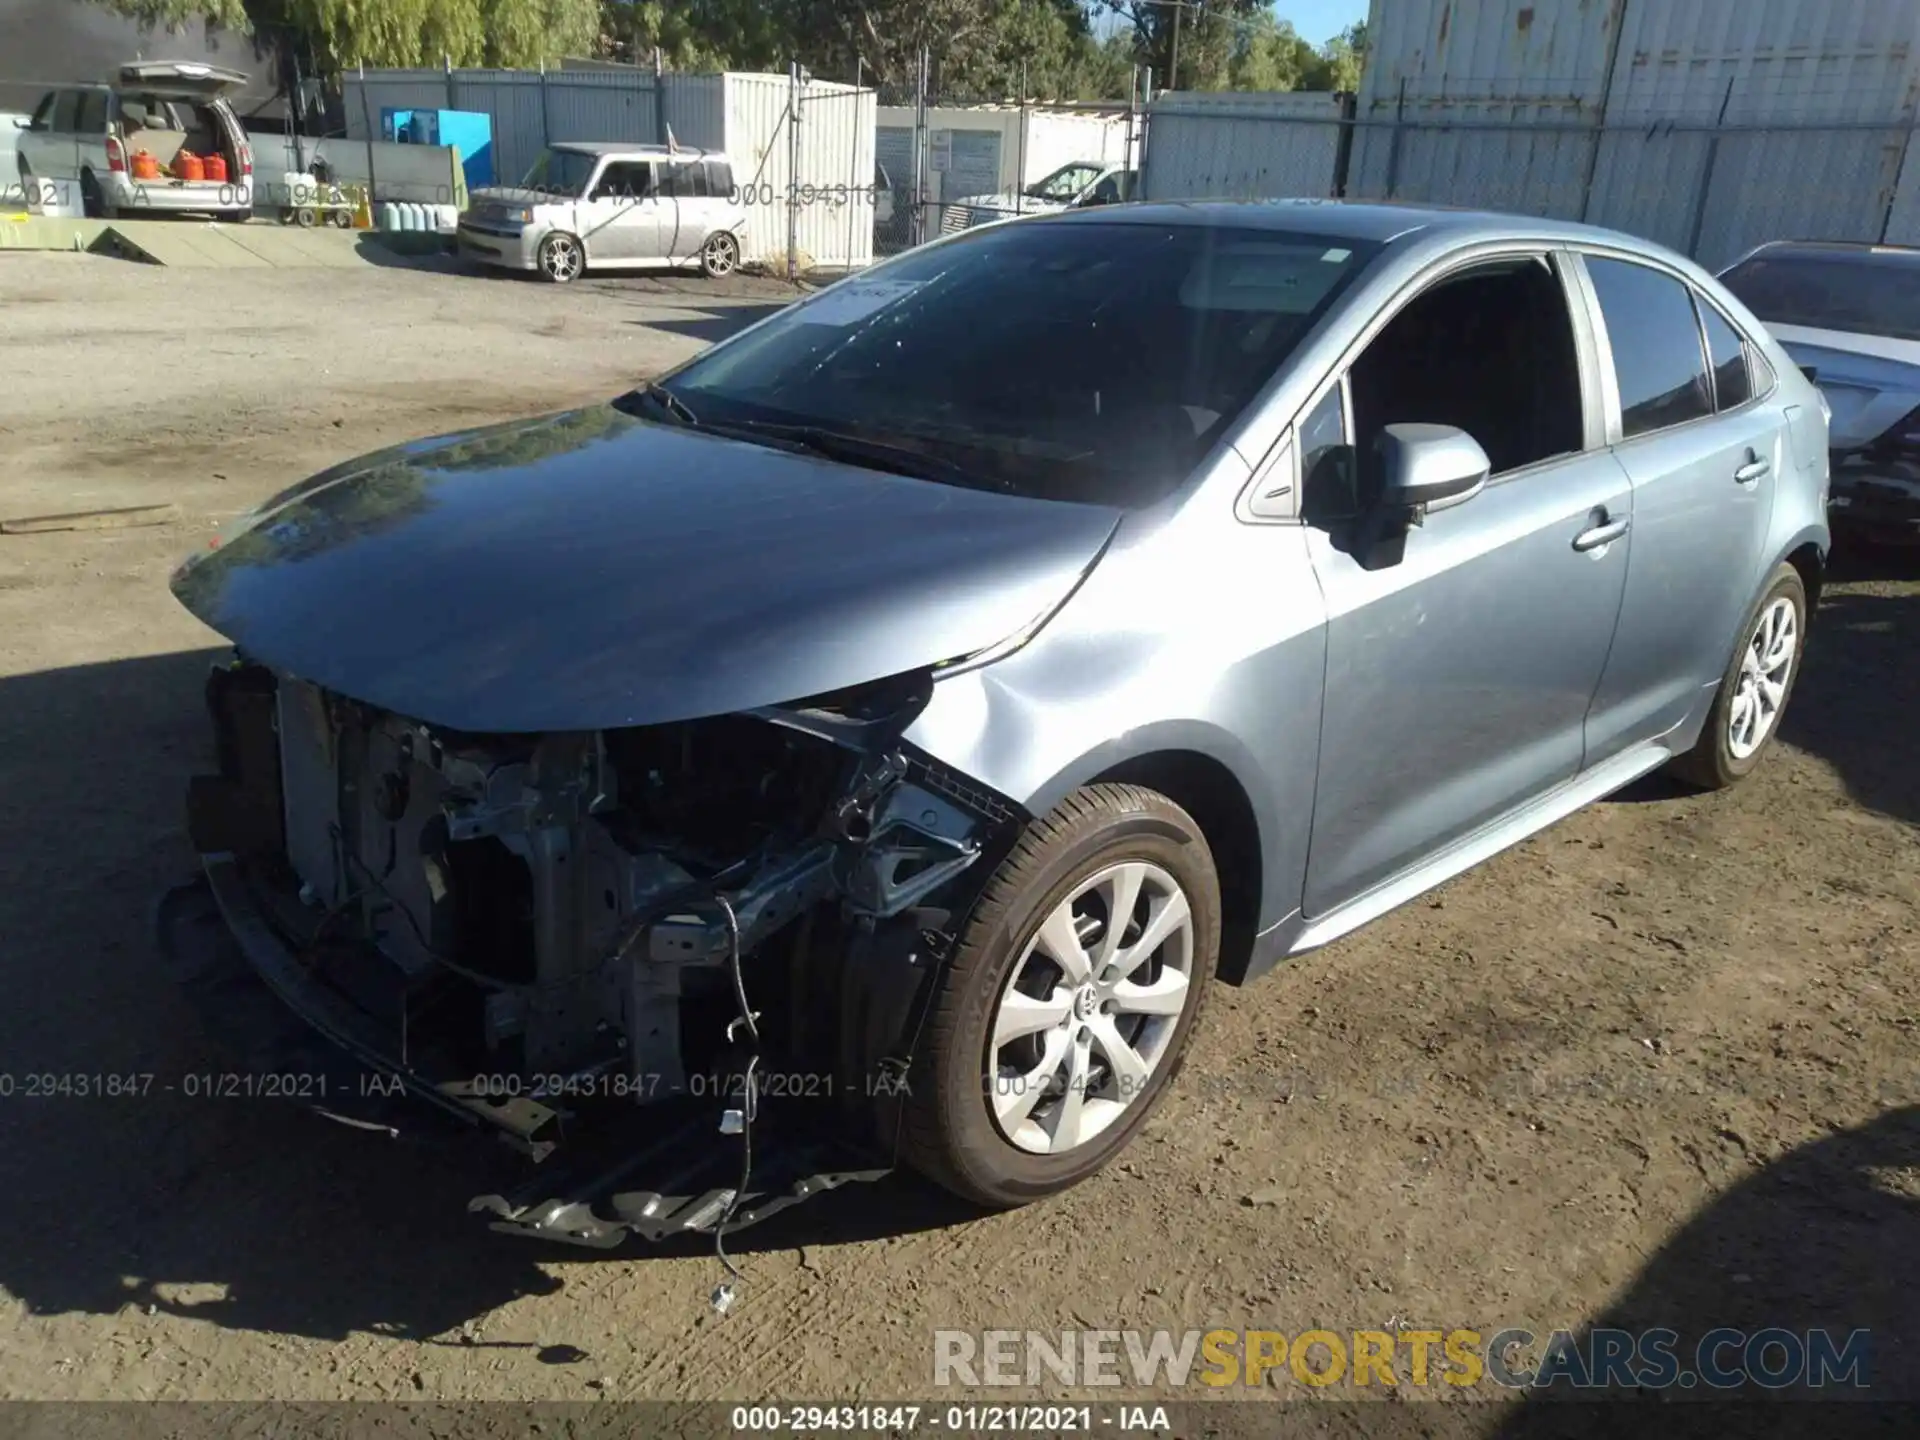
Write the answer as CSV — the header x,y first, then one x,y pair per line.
x,y
665,399
866,450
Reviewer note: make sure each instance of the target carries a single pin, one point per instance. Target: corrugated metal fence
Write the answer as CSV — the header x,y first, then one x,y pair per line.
x,y
1709,127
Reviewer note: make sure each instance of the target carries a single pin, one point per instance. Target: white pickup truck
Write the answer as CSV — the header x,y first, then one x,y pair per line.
x,y
1074,185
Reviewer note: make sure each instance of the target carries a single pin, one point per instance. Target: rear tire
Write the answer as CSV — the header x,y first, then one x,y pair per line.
x,y
93,200
1005,1006
720,256
1752,699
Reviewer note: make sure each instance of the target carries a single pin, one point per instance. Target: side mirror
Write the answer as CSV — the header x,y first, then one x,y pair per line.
x,y
1429,467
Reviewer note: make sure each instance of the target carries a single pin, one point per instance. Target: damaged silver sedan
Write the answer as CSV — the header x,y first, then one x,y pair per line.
x,y
869,741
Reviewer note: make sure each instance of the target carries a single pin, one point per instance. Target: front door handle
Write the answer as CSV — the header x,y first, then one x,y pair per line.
x,y
1603,534
1752,471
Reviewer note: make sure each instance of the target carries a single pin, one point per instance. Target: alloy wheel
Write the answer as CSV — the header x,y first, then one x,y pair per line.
x,y
1090,1009
559,258
720,255
1766,666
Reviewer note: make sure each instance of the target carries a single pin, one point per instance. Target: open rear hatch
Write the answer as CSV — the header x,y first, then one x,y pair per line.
x,y
180,79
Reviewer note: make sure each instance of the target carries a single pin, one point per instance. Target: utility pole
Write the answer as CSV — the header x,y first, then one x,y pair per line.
x,y
1173,64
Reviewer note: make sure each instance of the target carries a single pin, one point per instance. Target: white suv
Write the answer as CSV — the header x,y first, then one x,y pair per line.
x,y
612,206
89,135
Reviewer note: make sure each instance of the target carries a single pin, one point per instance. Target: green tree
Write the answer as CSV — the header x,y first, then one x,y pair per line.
x,y
342,33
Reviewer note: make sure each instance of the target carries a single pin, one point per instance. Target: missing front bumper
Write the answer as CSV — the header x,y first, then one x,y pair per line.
x,y
659,1171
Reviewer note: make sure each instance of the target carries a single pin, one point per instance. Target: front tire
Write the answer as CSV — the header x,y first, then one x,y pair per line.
x,y
1056,1031
560,259
1753,694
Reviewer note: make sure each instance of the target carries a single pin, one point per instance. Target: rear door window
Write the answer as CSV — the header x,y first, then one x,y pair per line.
x,y
1732,385
1658,361
719,178
92,118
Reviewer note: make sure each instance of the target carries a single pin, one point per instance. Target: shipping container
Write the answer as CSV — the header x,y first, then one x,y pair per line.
x,y
828,196
1709,126
1238,145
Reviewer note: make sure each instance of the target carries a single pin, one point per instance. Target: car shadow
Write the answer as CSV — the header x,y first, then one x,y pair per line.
x,y
1824,1238
716,323
124,1182
1859,690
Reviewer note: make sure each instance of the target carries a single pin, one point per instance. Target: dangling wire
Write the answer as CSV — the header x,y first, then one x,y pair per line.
x,y
749,1103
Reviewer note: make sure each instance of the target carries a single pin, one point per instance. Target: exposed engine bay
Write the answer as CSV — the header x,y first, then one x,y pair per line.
x,y
604,946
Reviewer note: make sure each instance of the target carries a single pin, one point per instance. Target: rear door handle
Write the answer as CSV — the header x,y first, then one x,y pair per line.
x,y
1598,535
1753,470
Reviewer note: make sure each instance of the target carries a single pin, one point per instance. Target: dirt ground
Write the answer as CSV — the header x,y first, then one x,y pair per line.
x,y
1655,1066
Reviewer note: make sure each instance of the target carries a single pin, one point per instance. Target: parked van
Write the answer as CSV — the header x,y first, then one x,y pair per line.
x,y
611,206
130,147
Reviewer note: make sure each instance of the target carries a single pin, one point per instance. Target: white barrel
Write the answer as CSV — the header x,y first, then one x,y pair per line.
x,y
389,215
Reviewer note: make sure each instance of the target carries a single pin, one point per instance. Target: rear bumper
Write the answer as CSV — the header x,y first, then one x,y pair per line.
x,y
178,197
652,1170
1880,497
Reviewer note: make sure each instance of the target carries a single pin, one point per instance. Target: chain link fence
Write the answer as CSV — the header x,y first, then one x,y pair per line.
x,y
948,158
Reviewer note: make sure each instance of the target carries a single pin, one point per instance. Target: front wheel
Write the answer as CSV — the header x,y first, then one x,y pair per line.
x,y
1754,692
719,256
559,258
1071,1000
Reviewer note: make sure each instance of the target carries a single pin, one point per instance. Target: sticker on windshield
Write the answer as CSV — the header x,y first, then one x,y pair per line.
x,y
852,300
1337,257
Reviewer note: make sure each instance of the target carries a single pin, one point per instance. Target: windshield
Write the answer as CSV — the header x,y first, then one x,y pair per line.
x,y
1094,362
1865,292
1066,182
561,172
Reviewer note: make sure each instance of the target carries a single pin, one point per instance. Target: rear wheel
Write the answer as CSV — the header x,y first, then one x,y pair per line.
x,y
559,258
720,256
1069,1005
306,217
1754,692
93,200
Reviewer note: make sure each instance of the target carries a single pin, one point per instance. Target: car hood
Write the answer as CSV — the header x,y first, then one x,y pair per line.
x,y
514,195
591,570
1008,201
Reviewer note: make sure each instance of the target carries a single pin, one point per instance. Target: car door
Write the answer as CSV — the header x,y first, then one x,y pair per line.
x,y
90,134
620,218
685,210
1703,484
47,144
1460,671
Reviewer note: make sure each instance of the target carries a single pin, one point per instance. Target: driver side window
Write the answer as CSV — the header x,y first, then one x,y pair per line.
x,y
624,180
1489,350
43,113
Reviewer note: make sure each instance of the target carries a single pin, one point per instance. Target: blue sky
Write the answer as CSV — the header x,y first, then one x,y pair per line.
x,y
1316,20
1321,20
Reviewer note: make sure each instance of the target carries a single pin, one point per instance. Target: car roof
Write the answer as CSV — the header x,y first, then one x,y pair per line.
x,y
1351,219
1902,256
646,152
